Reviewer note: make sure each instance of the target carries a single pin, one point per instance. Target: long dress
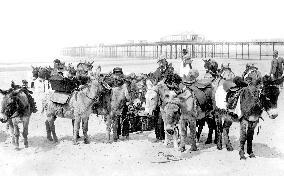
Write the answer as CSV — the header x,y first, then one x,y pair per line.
x,y
184,69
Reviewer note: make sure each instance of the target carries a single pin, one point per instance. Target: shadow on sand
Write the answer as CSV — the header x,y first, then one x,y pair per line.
x,y
41,143
94,138
260,150
4,136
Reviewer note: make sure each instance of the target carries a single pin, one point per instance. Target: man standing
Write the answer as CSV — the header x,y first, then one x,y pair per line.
x,y
211,67
185,65
164,69
276,69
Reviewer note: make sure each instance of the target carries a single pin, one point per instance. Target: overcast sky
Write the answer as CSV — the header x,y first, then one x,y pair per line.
x,y
37,29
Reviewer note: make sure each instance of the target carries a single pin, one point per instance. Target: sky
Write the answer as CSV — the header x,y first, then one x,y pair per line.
x,y
36,30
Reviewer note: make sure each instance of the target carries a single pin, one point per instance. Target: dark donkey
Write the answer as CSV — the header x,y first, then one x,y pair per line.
x,y
218,76
16,108
261,95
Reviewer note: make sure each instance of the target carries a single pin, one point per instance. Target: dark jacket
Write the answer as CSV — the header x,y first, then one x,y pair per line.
x,y
162,73
277,67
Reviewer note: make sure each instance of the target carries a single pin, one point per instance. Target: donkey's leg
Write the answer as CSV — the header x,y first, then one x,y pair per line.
x,y
192,127
115,127
11,130
108,127
76,129
16,134
211,124
26,131
48,130
52,128
85,122
167,140
161,125
183,135
200,124
78,136
243,137
175,138
250,133
219,131
226,128
215,129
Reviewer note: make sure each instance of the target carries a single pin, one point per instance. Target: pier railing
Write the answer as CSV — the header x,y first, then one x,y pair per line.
x,y
173,50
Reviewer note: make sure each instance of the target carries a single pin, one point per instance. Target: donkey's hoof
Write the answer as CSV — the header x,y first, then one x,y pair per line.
x,y
55,140
26,144
242,155
208,141
108,141
17,148
193,148
219,147
49,138
182,149
86,141
75,142
229,148
252,155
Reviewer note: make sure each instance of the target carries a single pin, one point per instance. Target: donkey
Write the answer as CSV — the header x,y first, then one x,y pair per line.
x,y
180,111
16,109
258,96
78,107
225,73
156,98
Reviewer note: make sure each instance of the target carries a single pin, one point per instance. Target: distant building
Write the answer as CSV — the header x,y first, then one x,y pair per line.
x,y
131,41
143,41
185,36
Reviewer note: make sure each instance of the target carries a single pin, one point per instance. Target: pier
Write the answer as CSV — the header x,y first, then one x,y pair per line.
x,y
173,49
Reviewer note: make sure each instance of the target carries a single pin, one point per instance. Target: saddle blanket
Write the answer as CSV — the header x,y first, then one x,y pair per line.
x,y
59,97
221,103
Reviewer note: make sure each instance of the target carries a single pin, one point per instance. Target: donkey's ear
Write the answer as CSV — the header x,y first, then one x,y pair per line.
x,y
278,81
4,92
258,81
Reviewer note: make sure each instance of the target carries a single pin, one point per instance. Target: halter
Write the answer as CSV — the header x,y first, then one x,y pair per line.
x,y
88,86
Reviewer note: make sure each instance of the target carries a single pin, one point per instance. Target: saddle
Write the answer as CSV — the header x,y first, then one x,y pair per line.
x,y
62,84
60,97
202,90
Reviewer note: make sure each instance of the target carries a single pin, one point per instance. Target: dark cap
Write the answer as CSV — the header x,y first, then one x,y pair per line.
x,y
56,61
161,58
117,70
